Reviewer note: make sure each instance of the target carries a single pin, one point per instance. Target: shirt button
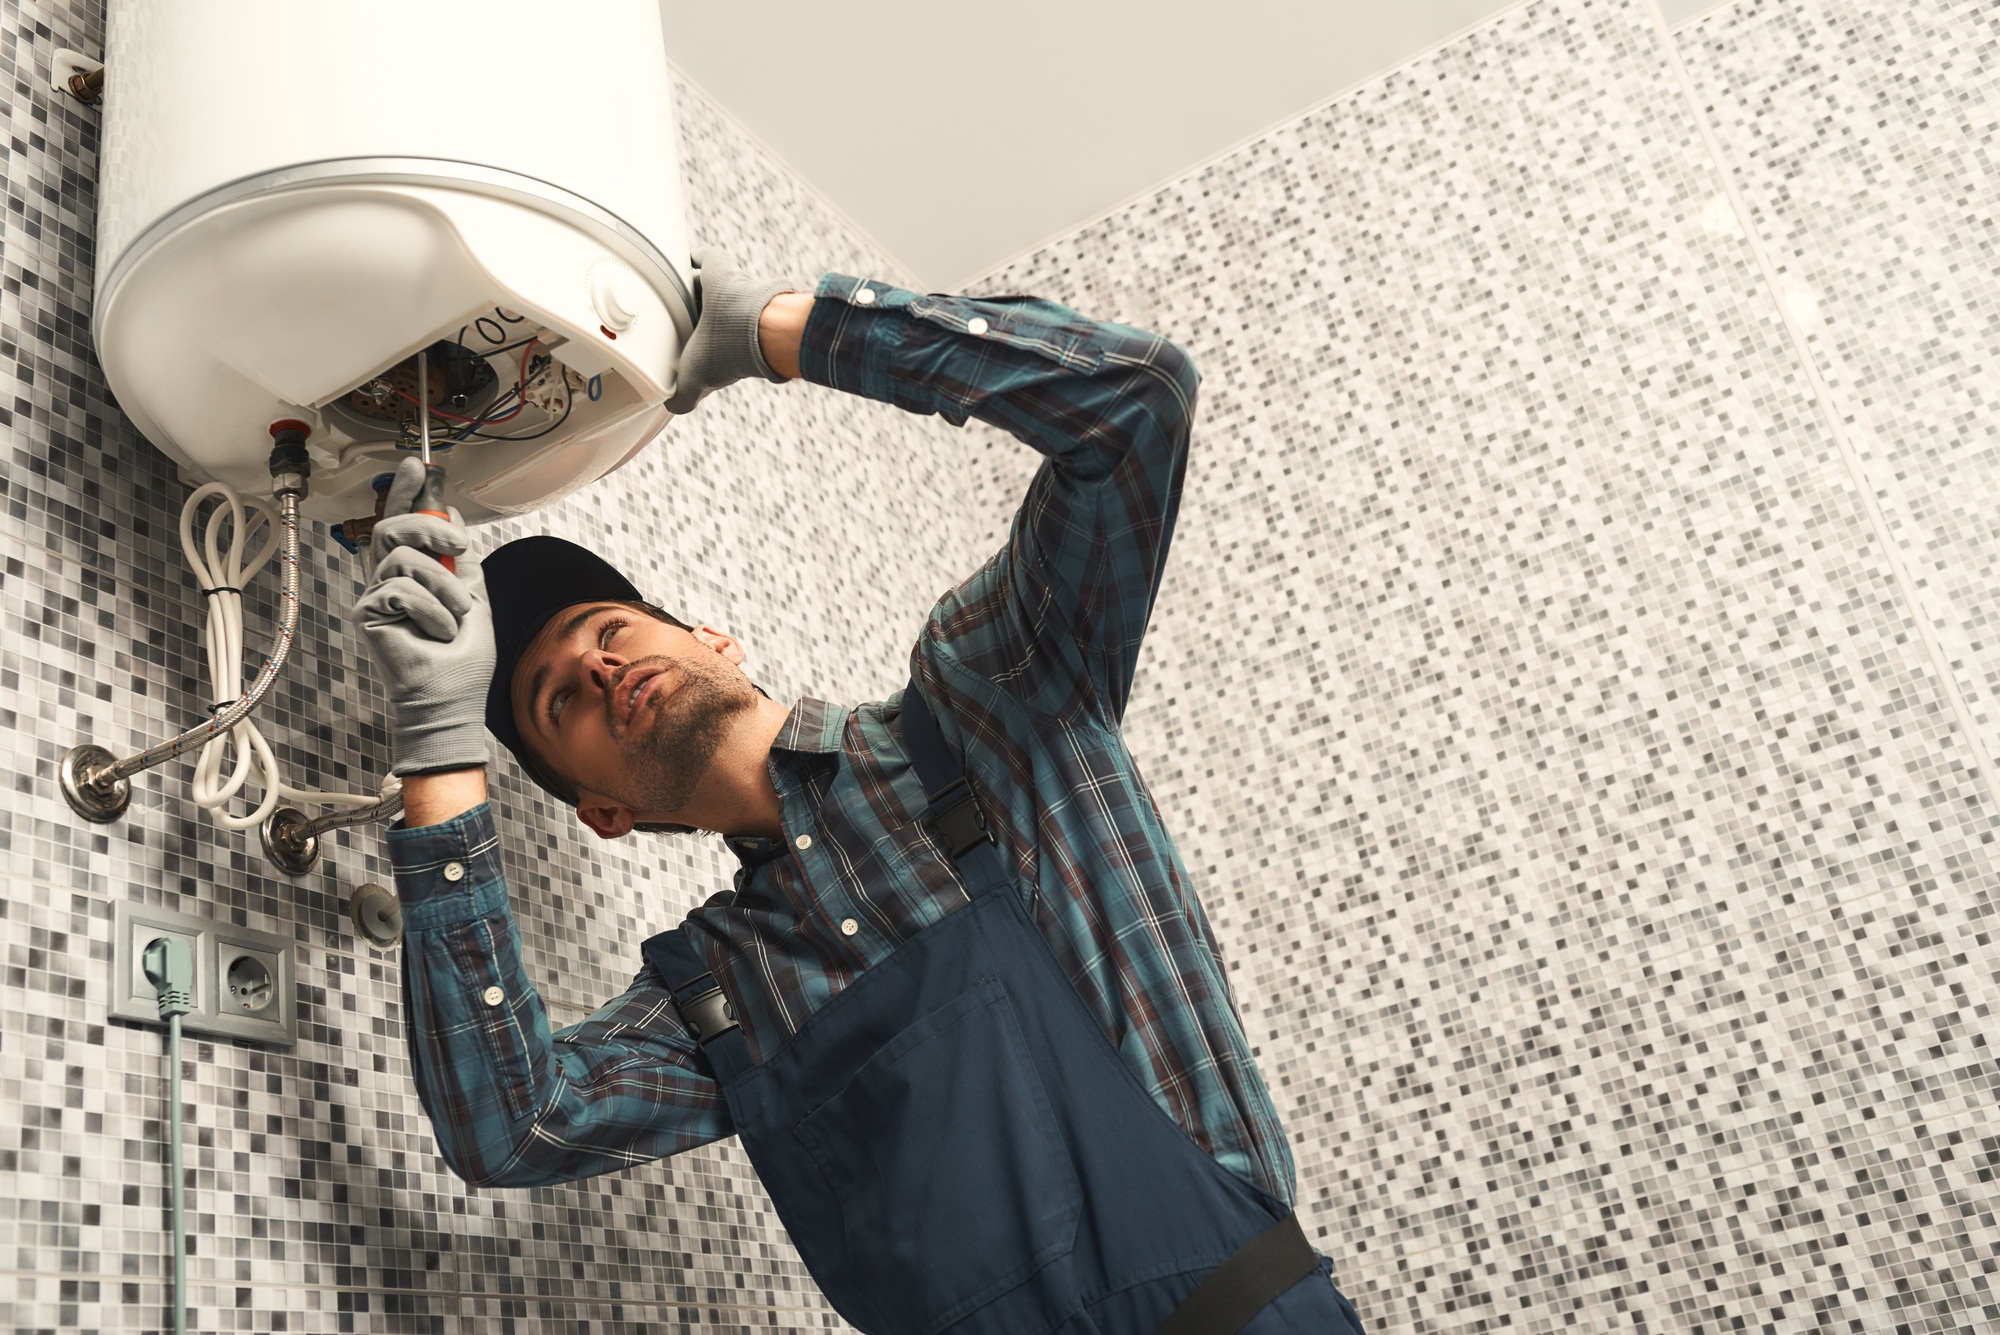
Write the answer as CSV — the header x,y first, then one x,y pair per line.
x,y
454,871
865,296
493,996
803,842
848,927
975,325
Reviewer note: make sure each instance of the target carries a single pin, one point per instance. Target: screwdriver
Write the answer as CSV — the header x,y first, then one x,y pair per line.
x,y
431,500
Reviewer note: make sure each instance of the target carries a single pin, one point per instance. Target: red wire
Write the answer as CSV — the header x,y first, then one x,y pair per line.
x,y
520,388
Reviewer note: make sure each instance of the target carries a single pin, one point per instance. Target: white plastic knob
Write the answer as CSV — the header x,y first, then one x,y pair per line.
x,y
617,294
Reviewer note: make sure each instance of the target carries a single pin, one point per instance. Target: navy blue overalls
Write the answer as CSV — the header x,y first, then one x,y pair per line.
x,y
954,1145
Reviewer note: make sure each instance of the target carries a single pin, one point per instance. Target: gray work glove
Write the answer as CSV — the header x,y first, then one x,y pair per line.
x,y
724,348
432,632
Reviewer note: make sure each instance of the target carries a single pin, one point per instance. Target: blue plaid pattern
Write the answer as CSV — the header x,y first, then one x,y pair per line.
x,y
1027,666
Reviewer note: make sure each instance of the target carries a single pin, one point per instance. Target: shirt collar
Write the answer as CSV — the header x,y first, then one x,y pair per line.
x,y
813,727
752,851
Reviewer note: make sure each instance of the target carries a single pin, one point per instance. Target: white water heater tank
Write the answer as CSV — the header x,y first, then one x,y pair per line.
x,y
297,200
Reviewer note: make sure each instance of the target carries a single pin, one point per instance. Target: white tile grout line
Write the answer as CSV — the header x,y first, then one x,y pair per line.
x,y
1823,403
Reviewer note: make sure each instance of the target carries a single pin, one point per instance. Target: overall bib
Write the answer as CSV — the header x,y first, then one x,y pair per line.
x,y
954,1145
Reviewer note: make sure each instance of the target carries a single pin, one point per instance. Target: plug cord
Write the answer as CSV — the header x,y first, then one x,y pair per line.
x,y
170,969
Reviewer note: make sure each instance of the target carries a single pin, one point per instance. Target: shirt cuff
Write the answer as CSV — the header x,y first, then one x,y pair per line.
x,y
449,872
846,344
864,293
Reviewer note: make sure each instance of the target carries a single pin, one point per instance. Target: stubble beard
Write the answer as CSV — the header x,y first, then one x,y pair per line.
x,y
667,751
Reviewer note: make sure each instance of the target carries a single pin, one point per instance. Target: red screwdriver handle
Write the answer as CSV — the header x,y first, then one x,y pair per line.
x,y
448,562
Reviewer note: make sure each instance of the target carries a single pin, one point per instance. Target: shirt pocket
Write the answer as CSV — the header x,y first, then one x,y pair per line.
x,y
953,1179
903,882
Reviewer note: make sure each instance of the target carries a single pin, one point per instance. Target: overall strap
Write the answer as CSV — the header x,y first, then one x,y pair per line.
x,y
700,1000
952,816
1261,1270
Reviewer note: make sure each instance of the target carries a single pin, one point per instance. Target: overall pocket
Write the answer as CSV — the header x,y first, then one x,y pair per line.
x,y
953,1179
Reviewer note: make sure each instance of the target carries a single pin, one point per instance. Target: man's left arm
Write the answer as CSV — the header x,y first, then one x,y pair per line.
x,y
1109,406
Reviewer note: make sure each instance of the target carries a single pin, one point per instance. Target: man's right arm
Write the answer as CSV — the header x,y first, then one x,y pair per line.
x,y
513,1103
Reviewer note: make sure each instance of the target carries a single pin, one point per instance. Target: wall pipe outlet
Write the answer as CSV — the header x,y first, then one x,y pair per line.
x,y
291,838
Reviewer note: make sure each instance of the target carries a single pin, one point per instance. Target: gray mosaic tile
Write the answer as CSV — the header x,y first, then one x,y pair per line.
x,y
1861,138
1603,878
317,1199
1601,873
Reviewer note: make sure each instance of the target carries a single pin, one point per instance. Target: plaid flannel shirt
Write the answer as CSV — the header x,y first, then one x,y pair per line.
x,y
1027,666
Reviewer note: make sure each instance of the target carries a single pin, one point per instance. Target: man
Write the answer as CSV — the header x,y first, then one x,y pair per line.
x,y
961,1006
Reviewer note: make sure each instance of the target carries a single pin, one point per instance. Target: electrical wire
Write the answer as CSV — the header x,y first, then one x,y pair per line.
x,y
222,567
169,966
460,417
473,431
470,428
569,402
505,319
504,347
520,392
174,1160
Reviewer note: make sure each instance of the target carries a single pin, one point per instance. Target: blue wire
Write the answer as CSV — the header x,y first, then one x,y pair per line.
x,y
596,388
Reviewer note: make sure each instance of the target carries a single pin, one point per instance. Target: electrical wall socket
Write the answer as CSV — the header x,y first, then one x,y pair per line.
x,y
132,996
243,981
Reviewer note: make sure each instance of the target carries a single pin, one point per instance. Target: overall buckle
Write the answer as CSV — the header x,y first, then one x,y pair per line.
x,y
959,826
708,1014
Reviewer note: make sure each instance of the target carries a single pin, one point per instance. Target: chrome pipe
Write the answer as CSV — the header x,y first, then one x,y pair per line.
x,y
291,840
390,807
238,709
97,785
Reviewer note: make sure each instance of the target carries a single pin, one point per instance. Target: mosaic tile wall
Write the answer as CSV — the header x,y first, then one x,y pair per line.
x,y
1570,692
1572,686
318,1202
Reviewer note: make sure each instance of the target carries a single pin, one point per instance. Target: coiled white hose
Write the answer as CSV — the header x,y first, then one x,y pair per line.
x,y
223,562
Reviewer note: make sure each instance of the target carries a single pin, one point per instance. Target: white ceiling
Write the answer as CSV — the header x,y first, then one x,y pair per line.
x,y
959,136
